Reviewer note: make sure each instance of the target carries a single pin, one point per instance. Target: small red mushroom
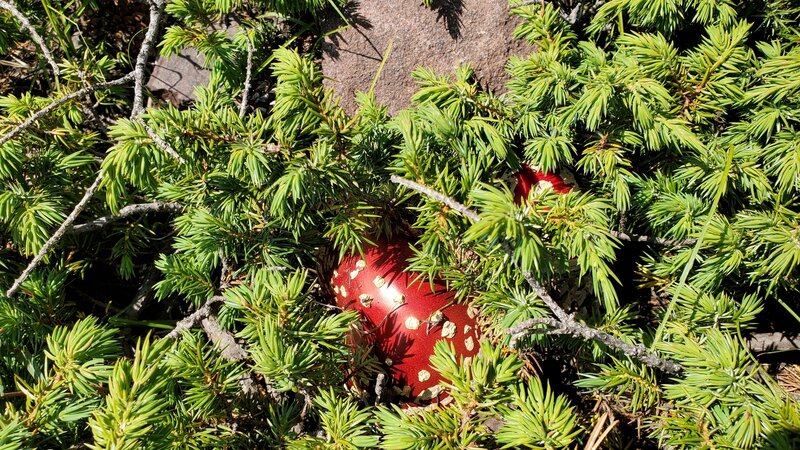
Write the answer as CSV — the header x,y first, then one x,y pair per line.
x,y
403,318
528,178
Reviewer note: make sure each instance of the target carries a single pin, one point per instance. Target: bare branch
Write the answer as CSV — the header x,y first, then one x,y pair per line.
x,y
161,143
62,229
653,240
124,213
225,342
565,324
143,294
248,76
26,24
148,45
196,317
573,328
466,212
79,93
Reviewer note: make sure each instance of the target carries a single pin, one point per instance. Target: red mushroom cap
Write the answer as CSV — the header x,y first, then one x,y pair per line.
x,y
403,318
528,178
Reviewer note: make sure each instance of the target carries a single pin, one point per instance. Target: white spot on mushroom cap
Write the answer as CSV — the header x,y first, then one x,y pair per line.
x,y
448,329
366,300
379,282
412,323
361,264
469,343
343,290
388,361
467,329
399,299
336,289
335,274
353,274
472,312
429,393
424,375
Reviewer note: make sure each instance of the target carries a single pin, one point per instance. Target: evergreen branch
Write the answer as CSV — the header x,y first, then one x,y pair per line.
x,y
196,317
124,213
452,204
79,93
65,226
248,77
721,187
153,27
652,240
26,24
161,143
565,324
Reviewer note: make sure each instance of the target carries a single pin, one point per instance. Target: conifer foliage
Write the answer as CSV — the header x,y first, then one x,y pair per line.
x,y
165,270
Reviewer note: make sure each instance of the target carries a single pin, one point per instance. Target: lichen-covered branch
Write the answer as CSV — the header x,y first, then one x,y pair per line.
x,y
145,51
248,76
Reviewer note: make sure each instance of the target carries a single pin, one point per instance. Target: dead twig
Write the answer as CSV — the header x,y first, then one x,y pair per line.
x,y
65,226
565,323
161,143
148,45
248,76
47,109
26,24
196,317
124,213
652,240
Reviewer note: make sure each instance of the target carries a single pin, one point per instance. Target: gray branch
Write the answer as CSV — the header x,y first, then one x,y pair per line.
x,y
26,24
652,240
124,213
148,45
248,76
79,93
565,324
62,229
452,204
161,143
196,317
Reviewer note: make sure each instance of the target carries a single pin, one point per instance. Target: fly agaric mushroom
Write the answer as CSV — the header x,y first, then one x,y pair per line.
x,y
529,178
403,318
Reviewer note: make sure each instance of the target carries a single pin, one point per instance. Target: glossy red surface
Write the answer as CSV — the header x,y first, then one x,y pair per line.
x,y
528,178
399,316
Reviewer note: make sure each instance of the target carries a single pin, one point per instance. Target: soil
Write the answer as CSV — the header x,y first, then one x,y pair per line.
x,y
440,38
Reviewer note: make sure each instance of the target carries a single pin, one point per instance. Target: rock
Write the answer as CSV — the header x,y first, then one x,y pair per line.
x,y
478,32
174,78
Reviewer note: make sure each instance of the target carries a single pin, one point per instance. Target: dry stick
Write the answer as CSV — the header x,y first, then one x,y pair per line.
x,y
124,213
156,12
62,229
653,240
196,317
161,143
565,324
79,93
247,78
26,24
